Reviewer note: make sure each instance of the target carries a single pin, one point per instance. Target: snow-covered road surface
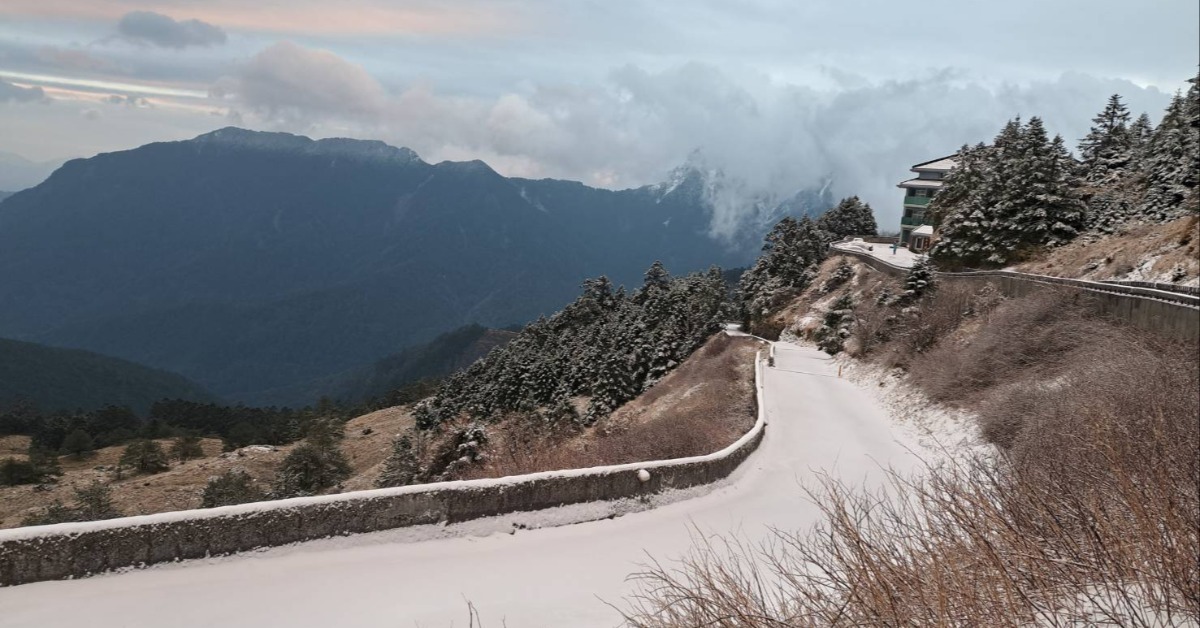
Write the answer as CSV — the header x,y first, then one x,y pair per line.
x,y
559,576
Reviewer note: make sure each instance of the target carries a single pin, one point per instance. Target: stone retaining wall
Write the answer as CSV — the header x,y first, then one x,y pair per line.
x,y
73,550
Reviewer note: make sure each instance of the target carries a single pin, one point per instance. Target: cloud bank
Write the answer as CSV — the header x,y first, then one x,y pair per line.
x,y
634,126
156,29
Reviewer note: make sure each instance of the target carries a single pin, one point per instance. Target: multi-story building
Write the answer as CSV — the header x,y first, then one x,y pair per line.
x,y
915,232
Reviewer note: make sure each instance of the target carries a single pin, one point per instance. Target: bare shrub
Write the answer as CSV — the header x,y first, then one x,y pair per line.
x,y
968,544
1034,335
920,327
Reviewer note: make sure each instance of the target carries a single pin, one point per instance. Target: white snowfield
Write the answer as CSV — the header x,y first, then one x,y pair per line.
x,y
551,576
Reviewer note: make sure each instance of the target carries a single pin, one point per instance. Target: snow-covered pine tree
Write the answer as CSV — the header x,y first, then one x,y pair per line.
x,y
835,327
1049,211
1171,164
401,467
850,217
1140,132
842,273
1107,149
979,227
919,281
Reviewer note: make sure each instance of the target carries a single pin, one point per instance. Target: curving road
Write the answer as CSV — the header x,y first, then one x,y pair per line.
x,y
560,576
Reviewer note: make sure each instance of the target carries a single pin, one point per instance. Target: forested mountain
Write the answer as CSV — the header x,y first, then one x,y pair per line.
x,y
253,261
4,195
383,379
55,379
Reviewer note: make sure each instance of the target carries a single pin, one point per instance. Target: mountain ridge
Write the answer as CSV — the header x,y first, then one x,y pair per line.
x,y
251,261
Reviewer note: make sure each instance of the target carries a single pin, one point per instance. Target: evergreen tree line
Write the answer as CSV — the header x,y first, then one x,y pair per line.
x,y
791,253
1025,191
607,345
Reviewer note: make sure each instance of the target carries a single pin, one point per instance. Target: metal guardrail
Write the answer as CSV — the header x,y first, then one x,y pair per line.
x,y
1182,298
1155,285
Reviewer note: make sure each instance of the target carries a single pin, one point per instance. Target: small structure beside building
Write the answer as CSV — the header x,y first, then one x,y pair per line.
x,y
915,232
921,238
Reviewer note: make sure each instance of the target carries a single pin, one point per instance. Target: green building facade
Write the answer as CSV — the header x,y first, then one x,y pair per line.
x,y
918,191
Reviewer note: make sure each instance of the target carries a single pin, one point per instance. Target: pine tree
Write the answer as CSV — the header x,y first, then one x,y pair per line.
x,y
1107,150
232,487
835,326
94,502
45,463
1140,133
401,467
842,273
1171,163
78,444
1051,214
310,468
850,217
919,281
144,456
186,447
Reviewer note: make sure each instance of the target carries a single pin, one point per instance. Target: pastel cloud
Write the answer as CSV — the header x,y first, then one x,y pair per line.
x,y
156,29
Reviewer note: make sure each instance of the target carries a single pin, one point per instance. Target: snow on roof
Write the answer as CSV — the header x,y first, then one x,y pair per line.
x,y
923,230
920,183
942,164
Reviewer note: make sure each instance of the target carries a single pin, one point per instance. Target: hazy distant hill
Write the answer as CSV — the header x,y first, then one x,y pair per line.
x,y
441,356
18,173
251,262
67,379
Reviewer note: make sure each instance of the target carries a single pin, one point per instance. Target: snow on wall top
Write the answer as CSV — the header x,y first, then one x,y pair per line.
x,y
34,532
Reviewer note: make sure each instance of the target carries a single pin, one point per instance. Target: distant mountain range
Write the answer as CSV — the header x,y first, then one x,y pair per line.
x,y
18,173
252,262
69,379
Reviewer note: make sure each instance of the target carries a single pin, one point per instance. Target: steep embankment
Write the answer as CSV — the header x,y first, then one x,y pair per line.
x,y
1161,253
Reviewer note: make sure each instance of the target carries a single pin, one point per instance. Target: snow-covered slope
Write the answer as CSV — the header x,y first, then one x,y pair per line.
x,y
557,576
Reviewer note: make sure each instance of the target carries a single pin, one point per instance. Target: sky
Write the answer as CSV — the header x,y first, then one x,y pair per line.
x,y
778,94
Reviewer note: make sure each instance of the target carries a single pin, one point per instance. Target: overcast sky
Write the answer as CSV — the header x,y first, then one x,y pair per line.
x,y
613,93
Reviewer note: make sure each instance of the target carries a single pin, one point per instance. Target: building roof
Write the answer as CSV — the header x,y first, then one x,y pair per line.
x,y
928,184
923,230
941,164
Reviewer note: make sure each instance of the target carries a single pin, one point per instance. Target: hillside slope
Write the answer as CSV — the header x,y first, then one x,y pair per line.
x,y
253,261
56,379
449,352
1162,253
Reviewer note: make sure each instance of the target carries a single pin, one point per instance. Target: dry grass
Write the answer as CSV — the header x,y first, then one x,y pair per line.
x,y
179,488
1087,514
1167,252
702,406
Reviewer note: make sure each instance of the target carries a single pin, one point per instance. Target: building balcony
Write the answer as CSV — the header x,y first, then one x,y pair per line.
x,y
917,201
914,221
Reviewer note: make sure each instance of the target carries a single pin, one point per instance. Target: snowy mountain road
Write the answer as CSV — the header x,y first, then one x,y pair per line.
x,y
554,576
